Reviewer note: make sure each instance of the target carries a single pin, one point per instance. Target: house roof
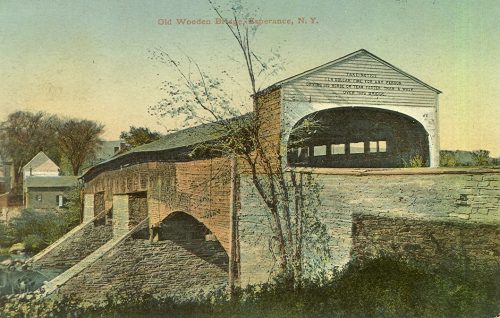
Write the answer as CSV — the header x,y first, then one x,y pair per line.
x,y
342,59
39,160
107,149
51,182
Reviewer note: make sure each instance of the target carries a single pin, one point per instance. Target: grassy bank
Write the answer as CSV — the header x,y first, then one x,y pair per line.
x,y
381,288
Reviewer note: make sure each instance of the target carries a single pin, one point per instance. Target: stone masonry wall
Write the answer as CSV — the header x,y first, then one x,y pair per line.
x,y
138,267
138,208
423,196
99,205
77,247
452,245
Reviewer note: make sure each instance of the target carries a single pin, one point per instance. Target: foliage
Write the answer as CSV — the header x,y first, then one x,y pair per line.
x,y
6,235
460,158
37,229
73,207
481,157
137,136
379,288
34,242
448,159
415,161
79,140
24,134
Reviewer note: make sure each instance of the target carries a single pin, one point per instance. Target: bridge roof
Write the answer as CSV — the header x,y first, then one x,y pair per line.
x,y
338,61
172,147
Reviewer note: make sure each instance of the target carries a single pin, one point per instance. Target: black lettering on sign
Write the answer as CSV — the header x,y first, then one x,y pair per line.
x,y
360,83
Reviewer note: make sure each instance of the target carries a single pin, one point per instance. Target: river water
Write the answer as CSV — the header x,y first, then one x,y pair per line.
x,y
19,279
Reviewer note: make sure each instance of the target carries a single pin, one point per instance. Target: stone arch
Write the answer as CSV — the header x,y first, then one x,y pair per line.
x,y
358,137
187,232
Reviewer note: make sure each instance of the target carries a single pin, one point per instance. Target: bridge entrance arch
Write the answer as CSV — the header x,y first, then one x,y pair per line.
x,y
358,137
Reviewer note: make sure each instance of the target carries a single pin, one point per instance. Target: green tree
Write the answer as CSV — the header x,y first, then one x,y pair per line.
x,y
79,141
24,134
137,136
73,207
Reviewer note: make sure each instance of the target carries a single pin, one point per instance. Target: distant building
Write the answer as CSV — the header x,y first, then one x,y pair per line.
x,y
43,187
6,174
107,150
40,165
47,192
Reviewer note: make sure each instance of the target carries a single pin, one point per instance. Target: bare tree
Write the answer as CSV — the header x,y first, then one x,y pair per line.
x,y
79,141
200,98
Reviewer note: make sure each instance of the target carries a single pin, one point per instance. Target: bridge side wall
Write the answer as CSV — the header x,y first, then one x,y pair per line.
x,y
201,188
367,215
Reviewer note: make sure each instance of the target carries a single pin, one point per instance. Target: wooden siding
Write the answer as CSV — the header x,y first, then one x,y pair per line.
x,y
360,80
200,188
269,115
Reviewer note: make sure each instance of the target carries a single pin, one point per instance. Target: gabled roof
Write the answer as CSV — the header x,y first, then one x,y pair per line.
x,y
39,160
342,59
51,182
107,149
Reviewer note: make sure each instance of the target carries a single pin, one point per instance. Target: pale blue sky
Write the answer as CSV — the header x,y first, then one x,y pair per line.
x,y
90,59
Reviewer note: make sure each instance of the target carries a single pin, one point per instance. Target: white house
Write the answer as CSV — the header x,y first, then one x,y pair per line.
x,y
40,166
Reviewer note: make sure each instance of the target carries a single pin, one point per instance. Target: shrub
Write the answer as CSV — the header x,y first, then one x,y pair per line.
x,y
34,243
481,157
380,288
73,207
37,229
448,159
414,162
6,235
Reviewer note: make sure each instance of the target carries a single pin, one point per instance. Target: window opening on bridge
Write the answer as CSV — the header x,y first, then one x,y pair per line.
x,y
303,152
378,146
319,150
338,149
382,146
356,147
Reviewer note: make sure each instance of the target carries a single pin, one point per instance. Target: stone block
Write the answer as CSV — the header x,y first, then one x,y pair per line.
x,y
490,177
88,207
483,184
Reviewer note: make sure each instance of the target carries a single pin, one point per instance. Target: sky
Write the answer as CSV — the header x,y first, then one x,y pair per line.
x,y
92,59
